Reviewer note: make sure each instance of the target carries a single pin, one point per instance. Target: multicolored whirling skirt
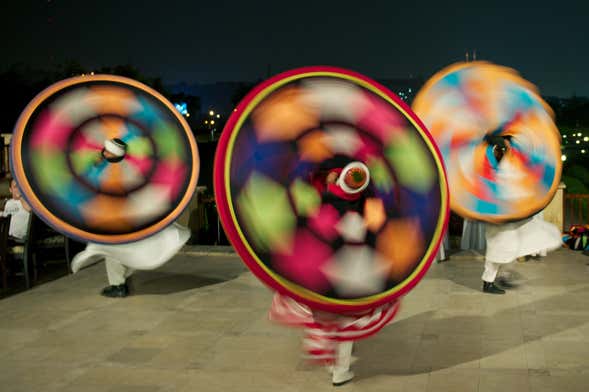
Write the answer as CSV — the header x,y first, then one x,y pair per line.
x,y
104,159
465,106
287,232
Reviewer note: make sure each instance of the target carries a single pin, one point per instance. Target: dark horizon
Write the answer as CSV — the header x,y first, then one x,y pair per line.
x,y
252,81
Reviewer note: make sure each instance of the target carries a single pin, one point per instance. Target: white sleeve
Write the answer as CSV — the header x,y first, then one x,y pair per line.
x,y
10,208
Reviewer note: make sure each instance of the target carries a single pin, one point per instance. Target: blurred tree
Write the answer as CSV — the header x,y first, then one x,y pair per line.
x,y
577,170
20,83
570,112
132,72
69,69
241,91
574,185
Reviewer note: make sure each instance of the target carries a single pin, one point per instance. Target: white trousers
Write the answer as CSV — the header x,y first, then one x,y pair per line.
x,y
491,270
343,360
116,272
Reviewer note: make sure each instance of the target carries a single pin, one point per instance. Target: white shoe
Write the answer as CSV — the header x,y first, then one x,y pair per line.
x,y
342,378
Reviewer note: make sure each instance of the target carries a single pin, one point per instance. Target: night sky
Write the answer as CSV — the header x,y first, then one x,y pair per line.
x,y
207,41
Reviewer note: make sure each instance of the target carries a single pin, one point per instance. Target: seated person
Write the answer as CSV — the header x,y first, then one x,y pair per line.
x,y
20,213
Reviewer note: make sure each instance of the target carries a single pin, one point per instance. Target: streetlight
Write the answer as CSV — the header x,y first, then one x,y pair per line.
x,y
563,157
211,123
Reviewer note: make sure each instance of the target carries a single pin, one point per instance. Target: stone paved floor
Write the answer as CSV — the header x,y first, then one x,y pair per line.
x,y
199,324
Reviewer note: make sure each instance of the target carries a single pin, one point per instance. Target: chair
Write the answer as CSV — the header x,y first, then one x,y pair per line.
x,y
4,226
42,240
10,249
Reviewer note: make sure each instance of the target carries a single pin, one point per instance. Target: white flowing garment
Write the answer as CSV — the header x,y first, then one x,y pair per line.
x,y
146,254
506,242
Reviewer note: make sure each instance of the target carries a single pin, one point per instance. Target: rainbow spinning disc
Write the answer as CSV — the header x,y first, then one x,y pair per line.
x,y
104,159
463,106
331,254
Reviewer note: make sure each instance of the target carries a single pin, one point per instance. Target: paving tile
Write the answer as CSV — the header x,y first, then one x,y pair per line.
x,y
134,355
504,381
454,380
570,382
566,354
251,381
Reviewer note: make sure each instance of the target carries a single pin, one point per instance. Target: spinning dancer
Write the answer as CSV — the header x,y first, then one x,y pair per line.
x,y
335,196
508,241
108,161
329,337
502,152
